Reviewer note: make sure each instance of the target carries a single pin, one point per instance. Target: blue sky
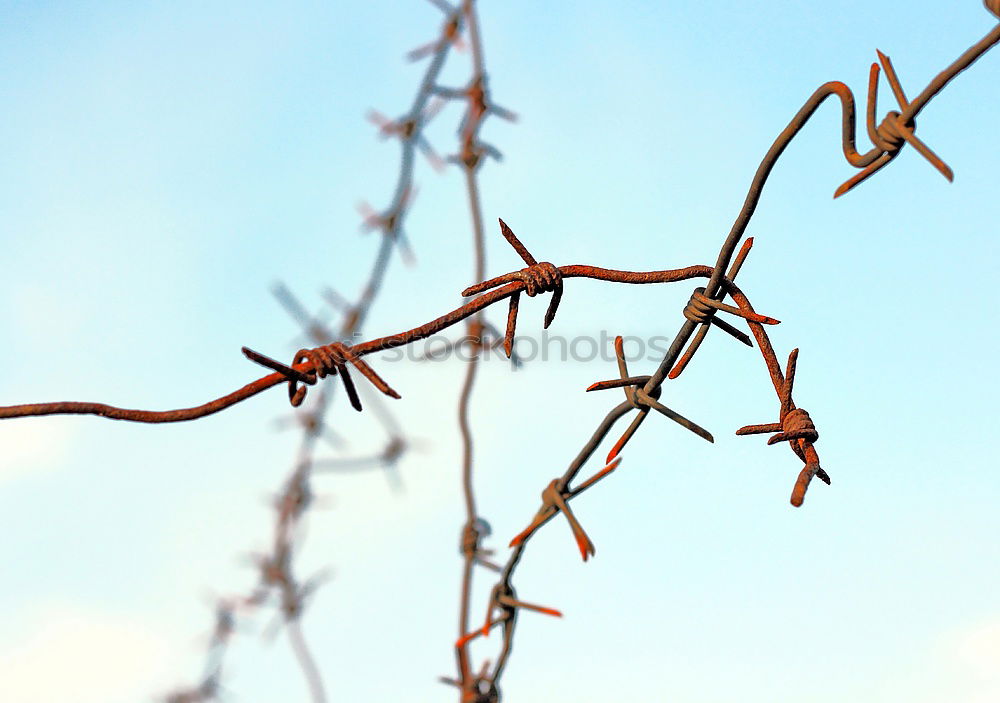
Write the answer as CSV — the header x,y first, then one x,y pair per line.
x,y
165,163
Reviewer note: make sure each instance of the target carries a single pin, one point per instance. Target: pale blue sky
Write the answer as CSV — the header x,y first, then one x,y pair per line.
x,y
165,162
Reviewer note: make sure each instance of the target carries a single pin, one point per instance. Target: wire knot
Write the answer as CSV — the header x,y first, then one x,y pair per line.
x,y
892,133
330,359
325,360
542,277
538,277
795,427
472,532
699,308
796,424
469,544
555,498
504,599
470,540
639,399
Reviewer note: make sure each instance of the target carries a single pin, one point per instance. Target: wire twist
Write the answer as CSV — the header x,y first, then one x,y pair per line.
x,y
795,427
699,308
469,545
890,134
538,277
796,424
504,598
542,277
637,397
323,361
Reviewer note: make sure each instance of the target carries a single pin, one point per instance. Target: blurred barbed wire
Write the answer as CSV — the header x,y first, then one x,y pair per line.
x,y
336,352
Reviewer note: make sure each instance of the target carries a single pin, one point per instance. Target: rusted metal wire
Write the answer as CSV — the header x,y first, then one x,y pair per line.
x,y
794,425
331,358
642,392
478,106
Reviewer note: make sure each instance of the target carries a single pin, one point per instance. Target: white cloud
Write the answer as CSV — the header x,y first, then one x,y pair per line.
x,y
31,446
975,652
72,654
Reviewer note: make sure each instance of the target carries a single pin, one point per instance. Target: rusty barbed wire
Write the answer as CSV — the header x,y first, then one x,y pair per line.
x,y
208,687
795,425
642,392
480,335
478,106
330,357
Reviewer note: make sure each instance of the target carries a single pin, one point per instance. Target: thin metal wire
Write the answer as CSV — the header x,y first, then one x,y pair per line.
x,y
478,107
794,425
296,497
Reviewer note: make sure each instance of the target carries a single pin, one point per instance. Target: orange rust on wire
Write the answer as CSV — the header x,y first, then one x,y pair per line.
x,y
474,688
480,336
794,425
358,350
296,498
504,599
894,130
553,500
537,278
705,314
858,160
450,34
323,360
637,397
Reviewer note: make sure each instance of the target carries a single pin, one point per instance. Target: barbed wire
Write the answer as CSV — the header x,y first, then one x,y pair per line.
x,y
642,392
276,573
478,106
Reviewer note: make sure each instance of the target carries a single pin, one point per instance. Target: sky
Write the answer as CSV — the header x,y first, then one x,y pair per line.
x,y
166,163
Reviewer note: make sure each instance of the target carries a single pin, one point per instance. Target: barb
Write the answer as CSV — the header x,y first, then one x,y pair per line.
x,y
409,129
481,336
472,687
555,498
450,34
795,427
357,351
890,135
639,399
296,498
781,143
208,687
504,599
642,392
799,430
701,309
328,359
537,278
